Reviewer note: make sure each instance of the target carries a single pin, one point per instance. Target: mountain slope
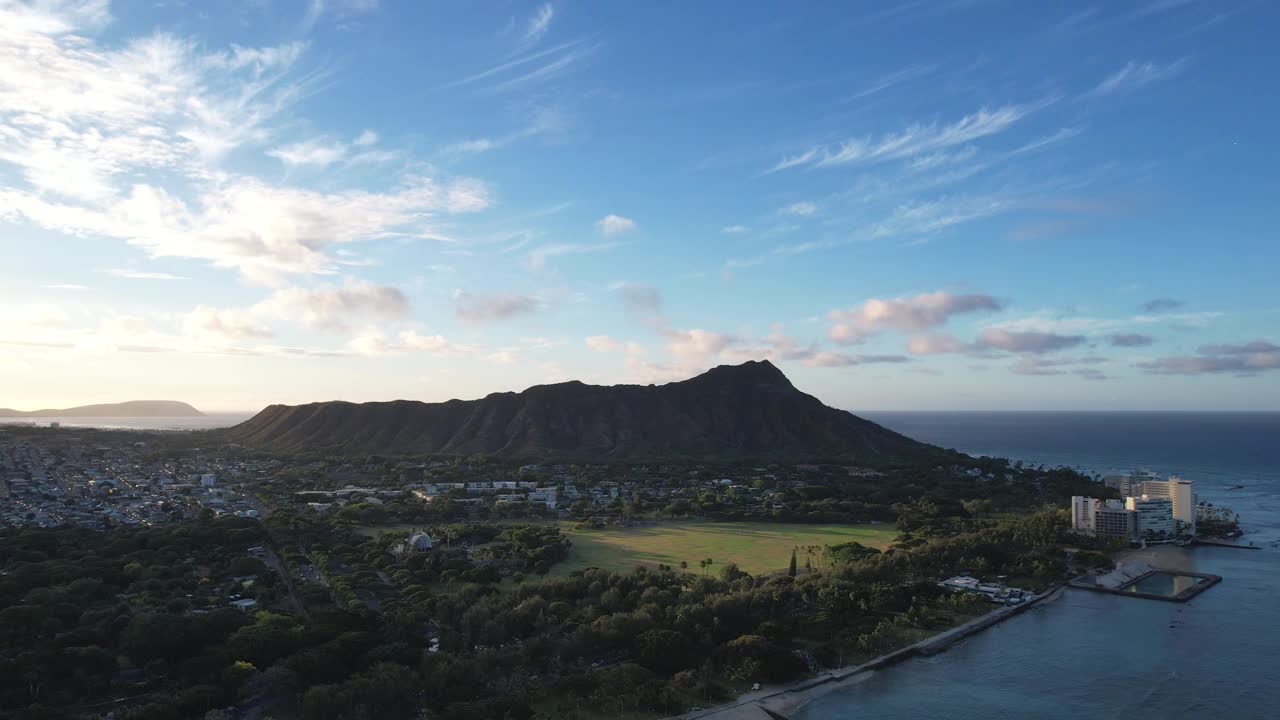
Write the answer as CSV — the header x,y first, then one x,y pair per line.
x,y
743,411
132,408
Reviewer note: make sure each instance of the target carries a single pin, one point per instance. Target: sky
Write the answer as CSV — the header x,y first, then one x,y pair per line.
x,y
960,204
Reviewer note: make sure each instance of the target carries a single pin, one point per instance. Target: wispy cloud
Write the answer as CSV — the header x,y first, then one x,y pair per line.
x,y
142,274
545,71
317,152
1245,359
803,208
128,141
1136,75
544,121
914,140
734,229
539,24
473,308
503,67
538,256
897,77
1063,134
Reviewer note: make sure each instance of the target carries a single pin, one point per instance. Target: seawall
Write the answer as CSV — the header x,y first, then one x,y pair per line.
x,y
782,702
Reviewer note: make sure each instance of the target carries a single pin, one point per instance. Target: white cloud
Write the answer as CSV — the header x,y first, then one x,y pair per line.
x,y
1133,76
259,229
603,343
368,137
372,342
142,274
37,315
316,152
1026,342
64,286
231,323
908,314
696,345
799,209
335,307
935,344
127,142
473,308
735,229
613,224
501,357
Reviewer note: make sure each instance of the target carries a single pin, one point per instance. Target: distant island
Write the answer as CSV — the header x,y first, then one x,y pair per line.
x,y
132,408
733,411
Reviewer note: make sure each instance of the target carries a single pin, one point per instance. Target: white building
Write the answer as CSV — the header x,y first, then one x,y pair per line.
x,y
1182,493
1113,519
1129,484
1154,519
1103,518
546,495
208,480
1083,514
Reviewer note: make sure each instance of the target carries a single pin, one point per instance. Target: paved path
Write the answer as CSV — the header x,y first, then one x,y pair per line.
x,y
277,564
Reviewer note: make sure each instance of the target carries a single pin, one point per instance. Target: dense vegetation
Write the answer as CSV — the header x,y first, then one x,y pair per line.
x,y
141,614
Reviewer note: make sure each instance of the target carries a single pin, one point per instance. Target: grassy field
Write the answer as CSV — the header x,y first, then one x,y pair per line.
x,y
755,547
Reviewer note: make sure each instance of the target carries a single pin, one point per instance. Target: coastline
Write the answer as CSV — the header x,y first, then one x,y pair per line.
x,y
779,703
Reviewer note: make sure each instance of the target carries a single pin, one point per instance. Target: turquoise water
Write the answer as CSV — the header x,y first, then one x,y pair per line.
x,y
1105,656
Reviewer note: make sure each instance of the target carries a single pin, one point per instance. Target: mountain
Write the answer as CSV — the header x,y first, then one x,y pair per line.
x,y
133,408
744,411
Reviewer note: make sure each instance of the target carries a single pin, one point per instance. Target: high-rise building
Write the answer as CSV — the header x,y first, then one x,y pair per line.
x,y
1102,518
1129,484
1154,517
1082,513
1113,519
1182,493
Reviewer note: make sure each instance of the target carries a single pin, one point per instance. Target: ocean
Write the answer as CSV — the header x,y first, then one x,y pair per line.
x,y
205,422
1092,655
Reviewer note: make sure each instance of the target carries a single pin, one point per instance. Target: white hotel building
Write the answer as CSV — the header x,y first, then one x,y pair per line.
x,y
1153,508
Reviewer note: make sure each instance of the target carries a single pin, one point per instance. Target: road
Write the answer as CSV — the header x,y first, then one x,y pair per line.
x,y
274,562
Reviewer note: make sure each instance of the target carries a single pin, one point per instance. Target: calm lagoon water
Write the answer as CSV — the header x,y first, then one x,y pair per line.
x,y
1106,656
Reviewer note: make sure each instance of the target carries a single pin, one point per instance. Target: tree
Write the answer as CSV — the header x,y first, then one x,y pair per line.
x,y
791,571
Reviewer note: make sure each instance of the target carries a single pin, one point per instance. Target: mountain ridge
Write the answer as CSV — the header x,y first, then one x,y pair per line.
x,y
731,411
129,408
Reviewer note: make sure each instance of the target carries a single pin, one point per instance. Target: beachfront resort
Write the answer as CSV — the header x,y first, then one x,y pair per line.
x,y
1150,509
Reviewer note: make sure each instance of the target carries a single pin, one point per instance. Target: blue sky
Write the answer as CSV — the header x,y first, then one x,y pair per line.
x,y
951,205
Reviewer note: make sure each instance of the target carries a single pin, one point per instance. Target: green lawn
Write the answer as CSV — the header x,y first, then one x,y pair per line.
x,y
756,547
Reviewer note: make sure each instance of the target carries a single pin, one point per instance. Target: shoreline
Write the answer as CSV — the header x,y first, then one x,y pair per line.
x,y
780,702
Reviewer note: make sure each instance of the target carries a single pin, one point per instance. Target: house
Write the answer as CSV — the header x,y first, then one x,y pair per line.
x,y
244,604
